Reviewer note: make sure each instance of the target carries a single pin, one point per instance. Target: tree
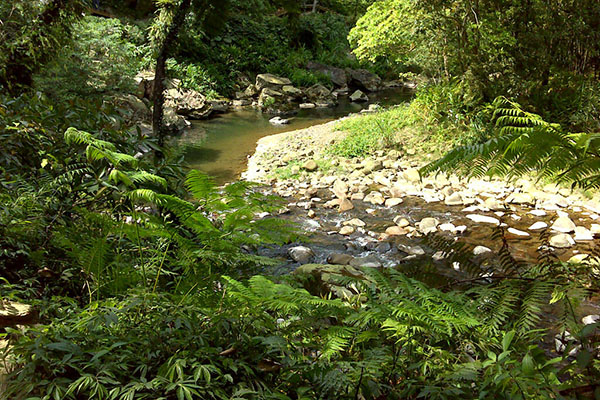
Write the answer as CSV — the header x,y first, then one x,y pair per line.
x,y
32,32
210,14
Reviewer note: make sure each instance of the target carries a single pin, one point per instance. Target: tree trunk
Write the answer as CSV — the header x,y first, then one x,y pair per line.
x,y
158,94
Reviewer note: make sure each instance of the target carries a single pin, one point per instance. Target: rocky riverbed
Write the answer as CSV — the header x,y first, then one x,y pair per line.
x,y
377,211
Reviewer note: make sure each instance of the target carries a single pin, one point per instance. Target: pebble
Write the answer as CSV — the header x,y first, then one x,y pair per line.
x,y
347,230
517,232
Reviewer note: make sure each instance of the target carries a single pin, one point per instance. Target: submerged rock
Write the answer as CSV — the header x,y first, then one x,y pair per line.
x,y
279,121
301,254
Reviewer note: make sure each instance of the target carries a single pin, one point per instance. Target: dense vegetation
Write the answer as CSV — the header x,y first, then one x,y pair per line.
x,y
145,274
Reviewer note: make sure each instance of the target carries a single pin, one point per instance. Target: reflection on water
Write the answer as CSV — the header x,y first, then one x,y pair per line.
x,y
220,146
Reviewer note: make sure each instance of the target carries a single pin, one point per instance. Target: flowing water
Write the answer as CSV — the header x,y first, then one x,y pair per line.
x,y
221,146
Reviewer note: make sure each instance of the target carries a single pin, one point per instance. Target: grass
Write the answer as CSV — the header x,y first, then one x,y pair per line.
x,y
412,126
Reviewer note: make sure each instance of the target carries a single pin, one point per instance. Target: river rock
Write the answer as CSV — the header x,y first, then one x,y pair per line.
x,y
345,205
279,121
562,240
338,76
411,250
518,233
292,91
537,226
393,202
479,250
583,234
359,96
428,225
454,199
370,165
578,258
271,81
411,175
590,319
310,165
366,262
339,259
301,254
347,230
13,313
538,213
483,219
355,222
401,222
595,229
363,79
374,198
307,105
340,188
493,204
520,198
563,224
396,231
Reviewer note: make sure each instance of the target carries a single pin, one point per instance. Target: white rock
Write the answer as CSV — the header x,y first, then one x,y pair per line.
x,y
517,232
279,121
479,250
454,199
595,229
401,222
483,219
393,202
578,258
561,241
354,222
428,225
538,213
411,175
448,227
583,234
537,226
347,230
563,224
301,254
590,319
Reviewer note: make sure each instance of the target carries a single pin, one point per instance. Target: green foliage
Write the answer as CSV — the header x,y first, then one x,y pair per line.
x,y
266,340
523,142
102,59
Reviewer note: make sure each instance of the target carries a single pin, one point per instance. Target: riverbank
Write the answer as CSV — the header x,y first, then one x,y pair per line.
x,y
377,210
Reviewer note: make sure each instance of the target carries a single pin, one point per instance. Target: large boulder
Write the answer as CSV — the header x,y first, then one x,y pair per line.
x,y
323,279
174,122
188,103
271,81
363,79
318,92
338,76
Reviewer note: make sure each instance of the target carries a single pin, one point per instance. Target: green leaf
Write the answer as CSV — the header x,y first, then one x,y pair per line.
x,y
507,340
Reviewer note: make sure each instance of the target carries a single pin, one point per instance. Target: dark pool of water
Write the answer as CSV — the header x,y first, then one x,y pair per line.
x,y
221,146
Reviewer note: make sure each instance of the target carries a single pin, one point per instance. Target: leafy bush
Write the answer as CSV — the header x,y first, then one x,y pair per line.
x,y
263,340
103,57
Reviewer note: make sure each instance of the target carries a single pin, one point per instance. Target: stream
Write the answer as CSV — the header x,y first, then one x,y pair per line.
x,y
221,146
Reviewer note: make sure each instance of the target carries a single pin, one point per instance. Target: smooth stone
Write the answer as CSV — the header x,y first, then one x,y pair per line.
x,y
411,175
366,262
455,199
520,198
483,219
517,232
359,96
448,227
401,222
562,241
578,258
374,198
590,319
307,105
595,229
396,231
412,250
583,234
563,224
479,250
301,254
538,213
428,225
345,205
339,259
279,121
493,204
357,196
340,188
393,202
347,230
355,222
537,226
310,165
